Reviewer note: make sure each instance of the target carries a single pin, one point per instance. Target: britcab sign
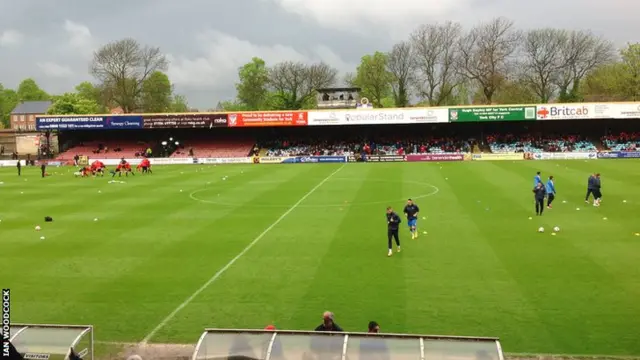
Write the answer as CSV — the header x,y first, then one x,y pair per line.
x,y
573,111
380,116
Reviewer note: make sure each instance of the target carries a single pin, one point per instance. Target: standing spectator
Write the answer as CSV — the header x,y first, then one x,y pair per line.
x,y
374,347
373,327
328,324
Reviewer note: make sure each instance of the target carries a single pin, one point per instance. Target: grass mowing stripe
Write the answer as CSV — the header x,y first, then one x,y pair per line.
x,y
244,251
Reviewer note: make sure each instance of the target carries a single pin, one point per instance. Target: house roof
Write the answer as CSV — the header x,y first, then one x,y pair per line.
x,y
32,107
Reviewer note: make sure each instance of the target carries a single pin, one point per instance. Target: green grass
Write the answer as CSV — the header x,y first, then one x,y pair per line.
x,y
482,269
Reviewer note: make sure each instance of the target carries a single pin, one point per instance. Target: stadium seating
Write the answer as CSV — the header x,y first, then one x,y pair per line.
x,y
127,149
531,144
521,146
215,148
622,142
378,145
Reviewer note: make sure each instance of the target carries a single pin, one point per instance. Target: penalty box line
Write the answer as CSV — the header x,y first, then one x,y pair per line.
x,y
217,275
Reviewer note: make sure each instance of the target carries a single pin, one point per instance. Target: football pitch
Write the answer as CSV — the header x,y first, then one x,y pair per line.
x,y
242,246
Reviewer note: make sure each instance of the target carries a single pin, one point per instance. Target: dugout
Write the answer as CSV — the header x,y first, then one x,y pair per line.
x,y
307,345
52,342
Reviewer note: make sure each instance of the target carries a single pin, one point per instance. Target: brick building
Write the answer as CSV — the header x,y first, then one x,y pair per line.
x,y
23,117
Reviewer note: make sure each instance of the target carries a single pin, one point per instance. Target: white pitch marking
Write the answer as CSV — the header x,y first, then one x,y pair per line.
x,y
230,263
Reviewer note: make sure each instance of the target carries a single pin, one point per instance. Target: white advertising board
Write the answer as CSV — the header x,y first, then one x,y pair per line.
x,y
379,116
625,111
575,111
240,160
565,156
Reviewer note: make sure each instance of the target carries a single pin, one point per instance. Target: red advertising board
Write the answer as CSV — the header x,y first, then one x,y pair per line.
x,y
435,157
276,118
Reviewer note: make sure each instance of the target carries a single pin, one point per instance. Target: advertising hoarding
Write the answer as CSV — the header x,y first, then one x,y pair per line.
x,y
111,122
379,116
492,113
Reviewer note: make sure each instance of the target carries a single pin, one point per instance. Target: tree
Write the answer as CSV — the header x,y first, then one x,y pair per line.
x,y
87,90
156,93
373,78
28,90
605,83
616,81
252,89
233,106
179,104
400,65
631,63
581,53
73,103
514,92
437,58
294,84
543,60
4,121
8,102
485,55
122,68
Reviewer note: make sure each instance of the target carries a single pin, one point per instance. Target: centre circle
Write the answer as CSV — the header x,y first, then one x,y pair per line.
x,y
434,190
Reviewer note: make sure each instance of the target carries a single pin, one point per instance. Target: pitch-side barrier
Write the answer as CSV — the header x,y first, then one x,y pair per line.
x,y
279,345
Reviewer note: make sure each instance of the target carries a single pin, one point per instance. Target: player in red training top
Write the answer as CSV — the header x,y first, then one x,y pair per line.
x,y
127,169
86,171
145,166
118,170
97,168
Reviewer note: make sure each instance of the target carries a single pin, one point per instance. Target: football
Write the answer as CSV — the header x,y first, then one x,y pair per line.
x,y
541,229
556,229
37,228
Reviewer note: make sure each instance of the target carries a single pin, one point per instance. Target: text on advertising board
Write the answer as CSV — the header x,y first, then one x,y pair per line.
x,y
619,155
320,159
372,117
493,113
498,156
274,159
564,156
198,121
573,112
385,158
626,111
279,118
435,157
88,122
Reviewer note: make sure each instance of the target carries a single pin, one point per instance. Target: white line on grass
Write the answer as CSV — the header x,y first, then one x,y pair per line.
x,y
230,263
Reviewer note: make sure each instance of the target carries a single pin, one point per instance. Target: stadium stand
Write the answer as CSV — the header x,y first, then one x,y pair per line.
x,y
622,142
534,144
106,149
348,140
214,148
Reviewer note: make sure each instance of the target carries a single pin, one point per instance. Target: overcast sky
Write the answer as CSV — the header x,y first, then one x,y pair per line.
x,y
207,40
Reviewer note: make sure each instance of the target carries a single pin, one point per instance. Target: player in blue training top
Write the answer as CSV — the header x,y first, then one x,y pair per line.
x,y
411,211
537,180
551,191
